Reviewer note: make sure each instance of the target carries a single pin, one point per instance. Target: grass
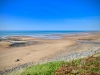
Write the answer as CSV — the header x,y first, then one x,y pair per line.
x,y
84,66
43,69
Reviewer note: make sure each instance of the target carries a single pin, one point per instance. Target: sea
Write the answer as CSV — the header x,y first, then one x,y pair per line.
x,y
43,34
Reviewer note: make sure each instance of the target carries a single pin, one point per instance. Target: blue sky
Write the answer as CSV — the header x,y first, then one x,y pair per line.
x,y
50,15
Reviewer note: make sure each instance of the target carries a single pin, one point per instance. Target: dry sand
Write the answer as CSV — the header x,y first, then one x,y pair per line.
x,y
48,47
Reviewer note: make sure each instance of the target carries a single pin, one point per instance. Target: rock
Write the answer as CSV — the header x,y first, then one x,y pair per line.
x,y
1,72
16,60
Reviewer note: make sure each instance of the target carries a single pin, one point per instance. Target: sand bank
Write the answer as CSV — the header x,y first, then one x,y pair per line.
x,y
49,48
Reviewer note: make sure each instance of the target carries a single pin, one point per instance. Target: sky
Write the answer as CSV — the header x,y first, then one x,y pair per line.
x,y
50,15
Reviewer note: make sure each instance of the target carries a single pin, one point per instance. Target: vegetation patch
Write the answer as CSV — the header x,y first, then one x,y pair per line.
x,y
85,66
43,69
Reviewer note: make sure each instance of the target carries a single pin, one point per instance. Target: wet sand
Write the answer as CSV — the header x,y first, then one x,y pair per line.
x,y
47,48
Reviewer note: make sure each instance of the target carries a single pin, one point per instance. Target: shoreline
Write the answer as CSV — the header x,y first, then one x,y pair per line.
x,y
40,35
49,50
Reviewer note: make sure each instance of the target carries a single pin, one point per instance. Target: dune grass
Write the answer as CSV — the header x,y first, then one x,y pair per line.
x,y
84,66
43,69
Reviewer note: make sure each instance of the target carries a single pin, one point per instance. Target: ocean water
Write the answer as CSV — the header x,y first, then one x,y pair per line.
x,y
44,34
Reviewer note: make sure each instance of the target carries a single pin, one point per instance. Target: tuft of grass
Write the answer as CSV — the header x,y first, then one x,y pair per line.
x,y
43,69
94,69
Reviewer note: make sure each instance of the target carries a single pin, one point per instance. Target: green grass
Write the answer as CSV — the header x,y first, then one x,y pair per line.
x,y
91,66
43,69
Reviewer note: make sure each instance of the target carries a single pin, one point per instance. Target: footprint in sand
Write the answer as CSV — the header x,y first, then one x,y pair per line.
x,y
33,50
27,54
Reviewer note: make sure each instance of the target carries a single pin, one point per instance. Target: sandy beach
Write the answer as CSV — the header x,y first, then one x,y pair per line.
x,y
41,48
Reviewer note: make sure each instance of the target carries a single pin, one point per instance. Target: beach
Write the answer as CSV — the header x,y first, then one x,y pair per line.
x,y
17,50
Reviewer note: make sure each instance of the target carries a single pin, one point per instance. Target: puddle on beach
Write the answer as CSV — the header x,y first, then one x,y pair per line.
x,y
53,37
49,36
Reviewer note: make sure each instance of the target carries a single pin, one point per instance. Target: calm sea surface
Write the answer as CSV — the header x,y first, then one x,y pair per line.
x,y
36,33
